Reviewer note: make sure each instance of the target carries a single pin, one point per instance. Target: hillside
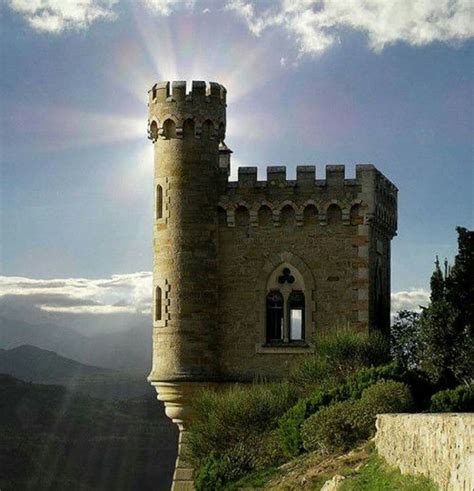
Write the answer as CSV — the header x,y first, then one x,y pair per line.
x,y
33,364
51,438
127,349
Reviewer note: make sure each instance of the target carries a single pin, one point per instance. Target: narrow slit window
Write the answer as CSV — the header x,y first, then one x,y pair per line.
x,y
296,315
158,304
274,316
159,202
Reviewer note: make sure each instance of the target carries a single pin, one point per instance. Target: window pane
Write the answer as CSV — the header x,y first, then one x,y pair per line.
x,y
296,324
274,316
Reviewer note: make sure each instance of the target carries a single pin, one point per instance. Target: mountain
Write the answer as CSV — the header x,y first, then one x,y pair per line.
x,y
54,439
127,349
33,364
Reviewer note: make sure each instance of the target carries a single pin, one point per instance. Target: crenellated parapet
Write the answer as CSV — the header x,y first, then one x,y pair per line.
x,y
173,112
369,196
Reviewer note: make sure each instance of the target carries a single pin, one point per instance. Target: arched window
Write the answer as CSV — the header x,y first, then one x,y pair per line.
x,y
274,316
287,216
334,215
264,216
159,202
285,306
188,128
296,309
153,131
207,129
169,128
355,215
241,216
310,215
157,304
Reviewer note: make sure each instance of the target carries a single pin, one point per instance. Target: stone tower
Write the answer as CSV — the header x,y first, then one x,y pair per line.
x,y
186,129
248,274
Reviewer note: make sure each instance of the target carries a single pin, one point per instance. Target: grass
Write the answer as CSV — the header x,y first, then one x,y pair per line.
x,y
376,475
363,469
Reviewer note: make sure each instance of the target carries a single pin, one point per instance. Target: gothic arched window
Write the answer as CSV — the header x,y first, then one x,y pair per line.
x,y
274,316
285,306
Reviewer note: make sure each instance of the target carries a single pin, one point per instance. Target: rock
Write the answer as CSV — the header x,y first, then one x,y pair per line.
x,y
333,484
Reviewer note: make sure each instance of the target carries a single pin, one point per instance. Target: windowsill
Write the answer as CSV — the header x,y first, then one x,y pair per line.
x,y
282,348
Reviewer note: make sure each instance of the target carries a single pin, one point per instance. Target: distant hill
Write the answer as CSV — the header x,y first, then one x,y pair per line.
x,y
128,349
54,439
33,364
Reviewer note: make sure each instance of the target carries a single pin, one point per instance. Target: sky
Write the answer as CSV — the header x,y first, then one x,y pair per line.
x,y
388,82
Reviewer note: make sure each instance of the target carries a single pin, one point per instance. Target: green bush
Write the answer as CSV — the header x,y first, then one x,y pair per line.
x,y
232,432
289,424
331,428
341,425
385,396
459,399
338,354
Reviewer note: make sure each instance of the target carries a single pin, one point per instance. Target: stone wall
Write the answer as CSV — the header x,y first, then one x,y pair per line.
x,y
440,446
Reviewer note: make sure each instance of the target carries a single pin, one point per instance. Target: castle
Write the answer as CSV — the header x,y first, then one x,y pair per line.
x,y
248,274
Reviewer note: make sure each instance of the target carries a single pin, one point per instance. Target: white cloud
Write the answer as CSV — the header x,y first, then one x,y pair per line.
x,y
119,294
314,25
412,299
166,7
317,24
57,15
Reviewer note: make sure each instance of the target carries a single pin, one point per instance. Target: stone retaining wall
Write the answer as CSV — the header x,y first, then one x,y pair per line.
x,y
440,446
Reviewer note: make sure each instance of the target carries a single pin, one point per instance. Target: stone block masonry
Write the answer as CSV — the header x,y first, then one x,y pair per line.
x,y
439,446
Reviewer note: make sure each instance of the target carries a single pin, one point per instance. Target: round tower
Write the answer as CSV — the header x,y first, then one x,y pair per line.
x,y
186,129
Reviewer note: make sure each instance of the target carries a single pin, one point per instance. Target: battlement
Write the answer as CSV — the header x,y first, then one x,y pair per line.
x,y
370,191
306,177
172,110
176,92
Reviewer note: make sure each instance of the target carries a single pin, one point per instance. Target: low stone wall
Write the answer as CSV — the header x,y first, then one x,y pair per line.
x,y
440,446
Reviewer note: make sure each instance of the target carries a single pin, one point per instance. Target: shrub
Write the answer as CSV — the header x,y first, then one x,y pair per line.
x,y
331,428
338,354
232,431
341,425
459,399
385,396
290,423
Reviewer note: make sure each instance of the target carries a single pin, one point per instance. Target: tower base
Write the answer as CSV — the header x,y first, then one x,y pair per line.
x,y
177,397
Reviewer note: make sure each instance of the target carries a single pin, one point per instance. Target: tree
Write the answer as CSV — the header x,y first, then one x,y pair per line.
x,y
440,340
405,338
446,326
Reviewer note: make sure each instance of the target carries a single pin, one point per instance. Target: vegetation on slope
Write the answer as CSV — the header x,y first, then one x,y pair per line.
x,y
54,439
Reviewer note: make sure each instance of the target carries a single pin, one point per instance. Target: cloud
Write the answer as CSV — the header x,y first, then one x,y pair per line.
x,y
166,7
412,299
54,16
316,25
119,294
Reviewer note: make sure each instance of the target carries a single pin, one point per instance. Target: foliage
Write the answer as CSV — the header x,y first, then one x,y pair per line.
x,y
338,354
440,341
232,433
341,425
331,428
386,396
453,400
405,338
48,433
376,475
290,423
